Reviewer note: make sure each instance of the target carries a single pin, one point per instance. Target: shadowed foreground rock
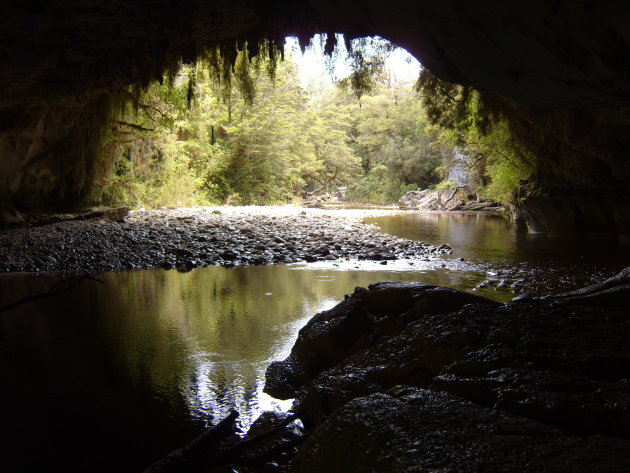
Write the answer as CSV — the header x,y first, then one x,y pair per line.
x,y
408,377
414,430
366,317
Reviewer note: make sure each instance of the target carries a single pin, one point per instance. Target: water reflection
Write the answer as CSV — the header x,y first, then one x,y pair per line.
x,y
127,370
213,329
490,244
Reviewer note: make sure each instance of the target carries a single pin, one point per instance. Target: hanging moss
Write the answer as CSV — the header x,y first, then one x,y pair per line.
x,y
94,148
367,62
102,94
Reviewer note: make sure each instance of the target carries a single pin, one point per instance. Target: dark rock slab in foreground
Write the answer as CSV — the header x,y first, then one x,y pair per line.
x,y
563,360
360,321
566,365
541,385
414,430
412,378
557,362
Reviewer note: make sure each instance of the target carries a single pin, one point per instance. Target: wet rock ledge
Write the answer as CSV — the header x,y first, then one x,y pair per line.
x,y
188,238
413,378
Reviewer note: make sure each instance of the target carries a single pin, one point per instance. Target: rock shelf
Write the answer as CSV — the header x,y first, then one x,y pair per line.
x,y
412,377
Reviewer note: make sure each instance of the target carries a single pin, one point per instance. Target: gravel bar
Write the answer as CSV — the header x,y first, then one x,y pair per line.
x,y
186,238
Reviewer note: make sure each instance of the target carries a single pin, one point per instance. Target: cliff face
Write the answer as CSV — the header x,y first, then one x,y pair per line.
x,y
560,70
582,181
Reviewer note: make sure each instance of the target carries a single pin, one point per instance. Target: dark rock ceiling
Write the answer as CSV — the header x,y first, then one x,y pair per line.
x,y
561,68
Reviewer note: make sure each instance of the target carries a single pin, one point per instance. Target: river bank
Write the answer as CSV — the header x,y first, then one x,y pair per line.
x,y
186,238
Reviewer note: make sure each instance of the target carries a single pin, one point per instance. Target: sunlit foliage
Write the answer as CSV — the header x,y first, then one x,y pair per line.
x,y
258,143
460,117
245,132
396,152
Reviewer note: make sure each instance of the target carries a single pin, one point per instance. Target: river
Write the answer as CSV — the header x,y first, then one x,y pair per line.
x,y
114,373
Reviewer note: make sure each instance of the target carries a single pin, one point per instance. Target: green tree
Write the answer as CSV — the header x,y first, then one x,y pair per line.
x,y
391,138
269,155
245,131
249,144
460,117
331,134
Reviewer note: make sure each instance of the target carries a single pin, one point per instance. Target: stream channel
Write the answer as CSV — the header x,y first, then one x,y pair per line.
x,y
112,375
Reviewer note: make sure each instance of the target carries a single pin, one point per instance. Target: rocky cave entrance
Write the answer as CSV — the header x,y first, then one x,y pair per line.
x,y
540,378
555,83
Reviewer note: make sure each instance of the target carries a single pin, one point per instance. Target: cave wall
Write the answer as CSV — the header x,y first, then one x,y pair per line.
x,y
582,177
65,64
560,70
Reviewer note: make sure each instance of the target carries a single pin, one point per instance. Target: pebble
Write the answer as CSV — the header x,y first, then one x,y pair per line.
x,y
188,238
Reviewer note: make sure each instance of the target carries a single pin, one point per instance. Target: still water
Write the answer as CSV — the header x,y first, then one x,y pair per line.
x,y
511,262
111,375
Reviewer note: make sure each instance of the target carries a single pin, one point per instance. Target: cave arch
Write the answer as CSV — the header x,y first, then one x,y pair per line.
x,y
558,69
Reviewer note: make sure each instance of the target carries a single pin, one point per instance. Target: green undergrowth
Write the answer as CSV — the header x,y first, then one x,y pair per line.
x,y
461,117
253,135
237,127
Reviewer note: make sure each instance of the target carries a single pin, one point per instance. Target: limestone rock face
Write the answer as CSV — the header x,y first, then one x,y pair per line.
x,y
340,333
414,430
559,69
561,361
407,377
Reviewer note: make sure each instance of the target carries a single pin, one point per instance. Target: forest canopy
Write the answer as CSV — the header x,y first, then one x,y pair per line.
x,y
251,133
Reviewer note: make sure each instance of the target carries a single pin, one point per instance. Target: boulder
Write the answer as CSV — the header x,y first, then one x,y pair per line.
x,y
414,430
421,200
562,361
334,335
